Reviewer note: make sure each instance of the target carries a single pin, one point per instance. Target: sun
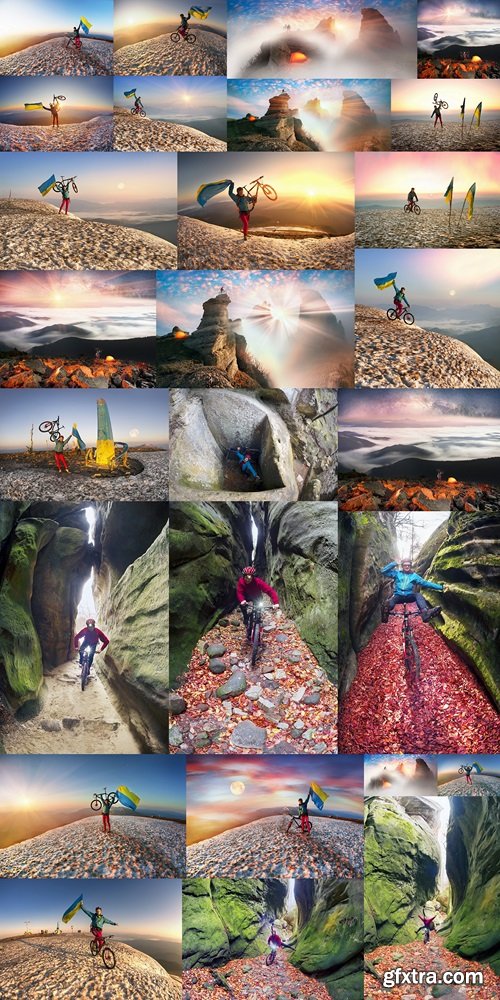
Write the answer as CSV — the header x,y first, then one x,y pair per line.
x,y
25,802
312,193
452,292
237,787
121,186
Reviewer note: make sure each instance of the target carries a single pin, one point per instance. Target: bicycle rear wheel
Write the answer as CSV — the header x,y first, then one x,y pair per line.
x,y
46,426
255,643
269,192
108,957
95,805
391,314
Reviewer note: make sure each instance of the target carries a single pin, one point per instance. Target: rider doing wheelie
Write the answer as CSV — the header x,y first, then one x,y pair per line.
x,y
404,590
250,588
90,636
398,300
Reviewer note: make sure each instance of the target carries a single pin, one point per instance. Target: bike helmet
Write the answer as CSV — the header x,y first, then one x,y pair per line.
x,y
248,571
90,621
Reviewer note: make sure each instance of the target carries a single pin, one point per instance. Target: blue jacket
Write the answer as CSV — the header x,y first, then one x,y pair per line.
x,y
98,922
404,582
244,202
400,296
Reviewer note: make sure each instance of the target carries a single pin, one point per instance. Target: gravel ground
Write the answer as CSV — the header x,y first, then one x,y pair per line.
x,y
391,355
137,847
95,134
62,968
56,58
35,236
162,57
203,245
392,227
22,483
409,135
251,978
132,132
263,848
481,785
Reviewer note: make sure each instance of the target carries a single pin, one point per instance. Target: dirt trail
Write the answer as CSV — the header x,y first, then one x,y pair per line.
x,y
288,705
432,957
251,977
446,712
71,720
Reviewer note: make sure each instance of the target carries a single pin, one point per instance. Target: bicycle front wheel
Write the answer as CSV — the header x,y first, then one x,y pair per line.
x,y
108,957
190,39
412,658
45,426
269,192
391,314
85,674
409,318
54,435
95,805
444,104
416,209
255,643
270,958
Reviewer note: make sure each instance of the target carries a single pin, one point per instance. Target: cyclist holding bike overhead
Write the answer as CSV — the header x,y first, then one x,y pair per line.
x,y
245,203
250,587
97,923
404,592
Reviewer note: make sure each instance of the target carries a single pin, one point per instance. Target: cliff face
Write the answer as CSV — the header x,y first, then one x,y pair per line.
x,y
401,868
473,866
368,542
463,556
44,560
330,938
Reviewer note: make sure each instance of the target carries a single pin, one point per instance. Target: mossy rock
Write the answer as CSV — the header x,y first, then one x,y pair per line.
x,y
333,933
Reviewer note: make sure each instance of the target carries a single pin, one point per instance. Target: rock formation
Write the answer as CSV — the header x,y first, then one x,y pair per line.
x,y
330,939
301,561
313,107
473,865
376,32
462,555
214,355
278,128
401,868
319,349
228,918
357,125
368,542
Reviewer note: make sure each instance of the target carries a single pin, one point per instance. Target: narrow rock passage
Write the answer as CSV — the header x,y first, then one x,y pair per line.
x,y
71,720
248,978
432,957
446,712
283,704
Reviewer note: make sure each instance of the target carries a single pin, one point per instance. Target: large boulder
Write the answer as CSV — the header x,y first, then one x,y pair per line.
x,y
21,672
330,939
463,555
401,869
473,868
62,568
209,545
301,557
136,660
367,542
227,918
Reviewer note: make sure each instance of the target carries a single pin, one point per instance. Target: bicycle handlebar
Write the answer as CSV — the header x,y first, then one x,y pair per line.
x,y
403,614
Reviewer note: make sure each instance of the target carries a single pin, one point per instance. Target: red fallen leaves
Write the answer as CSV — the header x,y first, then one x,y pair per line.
x,y
447,712
259,981
432,957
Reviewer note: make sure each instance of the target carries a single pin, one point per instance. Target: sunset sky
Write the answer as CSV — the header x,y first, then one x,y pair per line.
x,y
224,792
28,17
419,408
253,95
320,178
137,418
448,765
142,907
442,278
126,186
129,13
445,13
389,176
416,96
175,98
64,289
92,93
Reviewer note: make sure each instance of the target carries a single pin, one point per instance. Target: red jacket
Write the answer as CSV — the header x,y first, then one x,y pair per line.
x,y
253,590
91,638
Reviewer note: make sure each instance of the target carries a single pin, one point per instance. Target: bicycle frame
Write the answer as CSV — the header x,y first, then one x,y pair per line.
x,y
410,651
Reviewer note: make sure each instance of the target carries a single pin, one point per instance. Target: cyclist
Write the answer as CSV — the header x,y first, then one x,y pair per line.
x,y
404,593
398,300
90,636
244,457
436,114
107,803
427,926
245,203
412,197
184,25
97,924
303,815
138,105
468,768
250,587
274,941
75,34
54,110
65,197
59,447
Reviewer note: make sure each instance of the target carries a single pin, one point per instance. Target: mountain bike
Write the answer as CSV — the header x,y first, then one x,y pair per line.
x,y
266,189
411,655
440,104
411,206
51,427
295,821
271,957
58,185
189,37
139,111
97,801
254,627
406,316
86,663
106,952
75,41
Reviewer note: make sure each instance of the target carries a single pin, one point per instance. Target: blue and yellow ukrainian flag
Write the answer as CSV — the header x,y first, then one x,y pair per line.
x,y
469,198
47,185
385,282
478,767
70,912
200,12
318,795
127,798
86,25
448,194
36,106
477,113
130,93
206,191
